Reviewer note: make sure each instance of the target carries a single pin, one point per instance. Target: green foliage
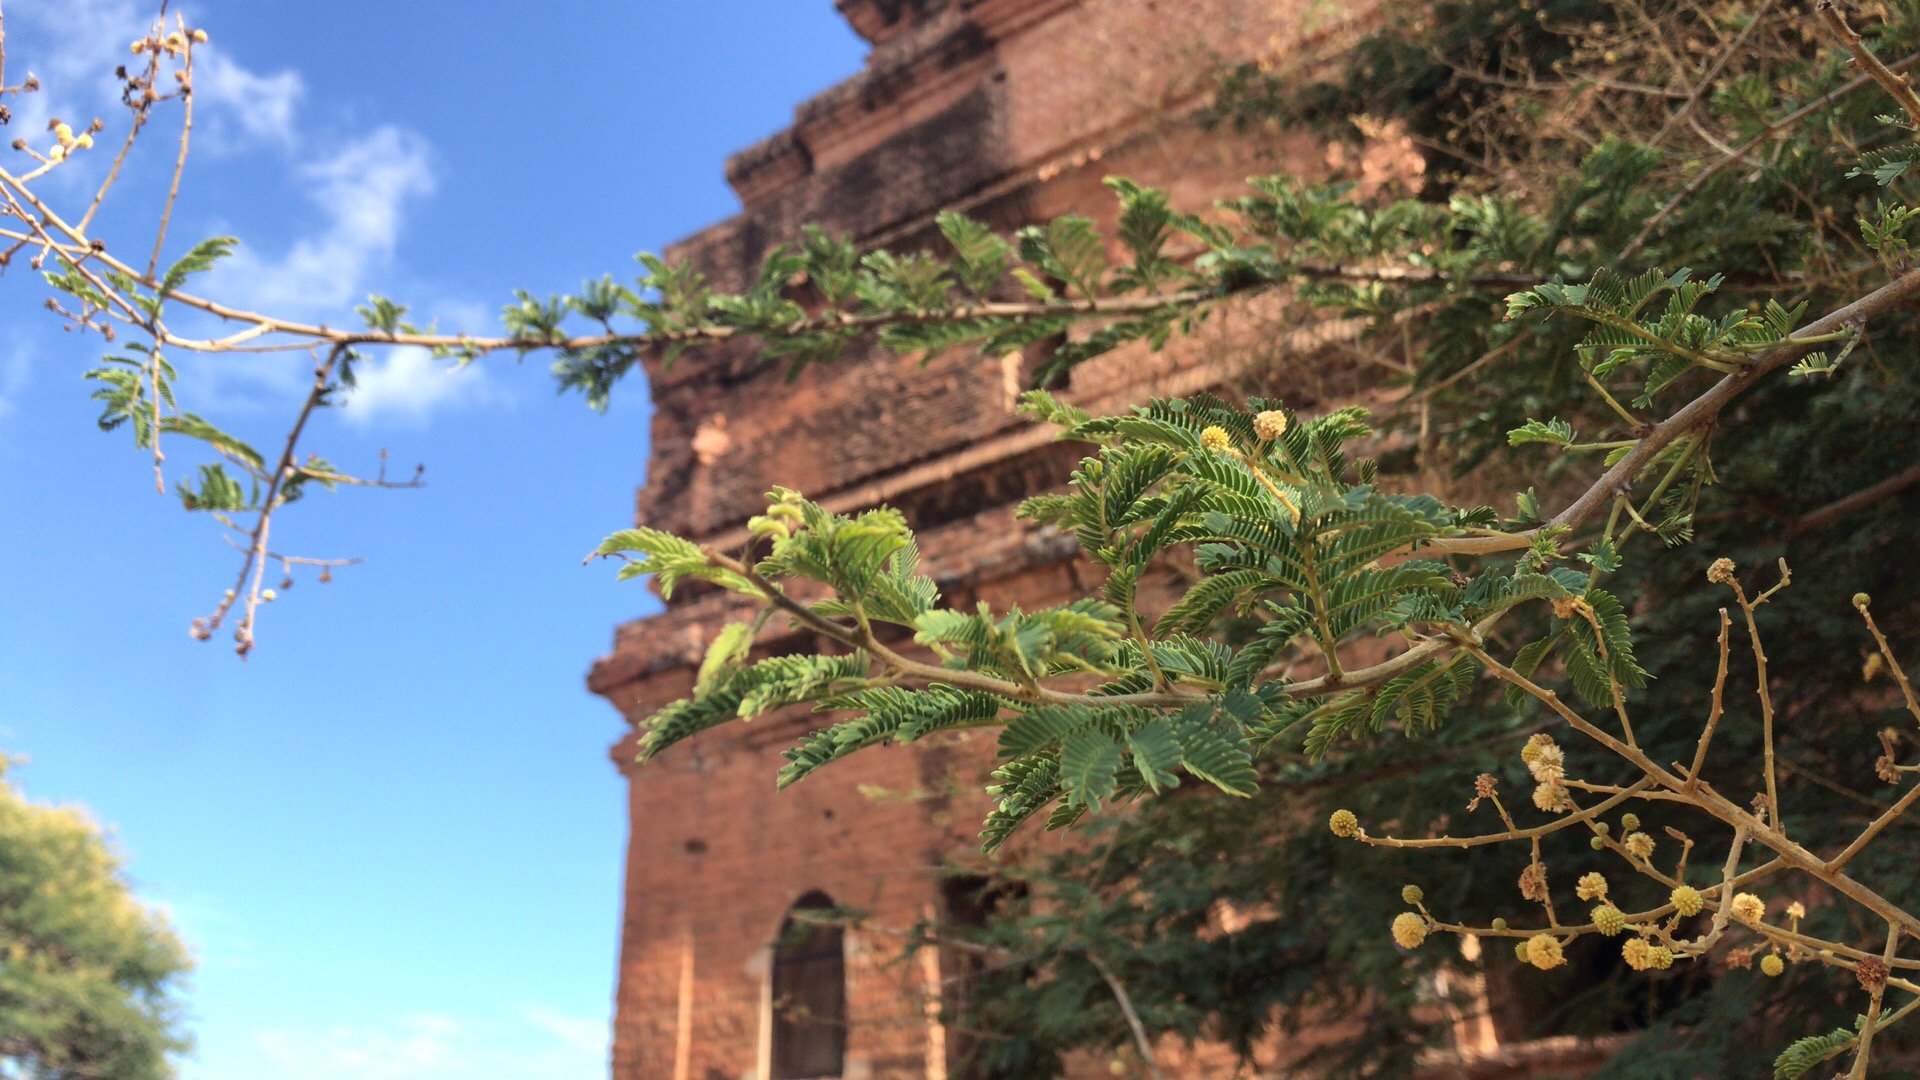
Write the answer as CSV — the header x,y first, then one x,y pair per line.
x,y
1289,533
89,977
1800,1058
1558,296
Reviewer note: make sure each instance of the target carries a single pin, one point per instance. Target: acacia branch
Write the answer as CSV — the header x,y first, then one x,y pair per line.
x,y
1894,84
1740,153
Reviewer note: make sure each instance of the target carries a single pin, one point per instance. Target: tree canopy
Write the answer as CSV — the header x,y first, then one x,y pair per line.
x,y
89,976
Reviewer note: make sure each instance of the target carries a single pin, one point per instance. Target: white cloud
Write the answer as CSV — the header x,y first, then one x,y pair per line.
x,y
14,371
74,45
262,106
435,1046
415,1046
361,189
360,186
579,1032
408,384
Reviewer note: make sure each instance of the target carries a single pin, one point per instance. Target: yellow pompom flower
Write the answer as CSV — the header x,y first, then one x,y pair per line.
x,y
1772,965
1270,425
1543,952
1343,823
1409,930
1629,822
1639,845
1216,439
1659,957
1592,886
1749,908
1634,952
1609,920
1688,901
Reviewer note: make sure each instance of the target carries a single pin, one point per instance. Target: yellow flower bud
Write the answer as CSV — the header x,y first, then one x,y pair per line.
x,y
199,37
1772,965
1343,823
1659,957
1543,952
1688,901
1409,930
84,142
1630,822
1412,894
1634,952
1609,920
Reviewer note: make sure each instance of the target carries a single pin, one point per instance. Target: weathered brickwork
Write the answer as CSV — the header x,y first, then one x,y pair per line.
x,y
1012,110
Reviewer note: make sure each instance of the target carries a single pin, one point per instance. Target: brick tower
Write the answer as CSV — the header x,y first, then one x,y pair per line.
x,y
1012,111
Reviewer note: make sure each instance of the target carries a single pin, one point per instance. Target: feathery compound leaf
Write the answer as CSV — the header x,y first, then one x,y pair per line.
x,y
746,692
1552,432
1214,749
729,647
1156,753
1796,1060
1593,658
1024,786
668,557
891,713
1068,248
201,258
1089,762
980,257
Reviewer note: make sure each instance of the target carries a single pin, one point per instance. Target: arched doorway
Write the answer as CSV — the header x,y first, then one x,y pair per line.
x,y
809,994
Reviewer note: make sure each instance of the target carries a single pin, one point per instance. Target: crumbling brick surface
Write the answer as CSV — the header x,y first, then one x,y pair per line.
x,y
1012,110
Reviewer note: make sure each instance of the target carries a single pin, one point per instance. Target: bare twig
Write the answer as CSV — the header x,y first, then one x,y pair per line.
x,y
1740,153
1892,82
1139,1030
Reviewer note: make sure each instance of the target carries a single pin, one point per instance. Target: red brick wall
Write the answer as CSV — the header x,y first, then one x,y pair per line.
x,y
1012,110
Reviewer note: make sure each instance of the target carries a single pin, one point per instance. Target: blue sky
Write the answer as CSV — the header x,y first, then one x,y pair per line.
x,y
393,838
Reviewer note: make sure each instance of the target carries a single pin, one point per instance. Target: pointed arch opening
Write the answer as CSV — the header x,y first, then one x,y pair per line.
x,y
809,993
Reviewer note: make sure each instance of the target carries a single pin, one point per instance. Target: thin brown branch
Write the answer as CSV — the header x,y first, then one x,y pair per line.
x,y
1892,82
1765,691
180,160
1713,72
1859,1070
1866,835
1534,833
1740,153
1839,508
254,564
1862,603
1718,707
1704,797
1139,1030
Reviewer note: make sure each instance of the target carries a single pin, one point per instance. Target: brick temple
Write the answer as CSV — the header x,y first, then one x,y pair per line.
x,y
1012,111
